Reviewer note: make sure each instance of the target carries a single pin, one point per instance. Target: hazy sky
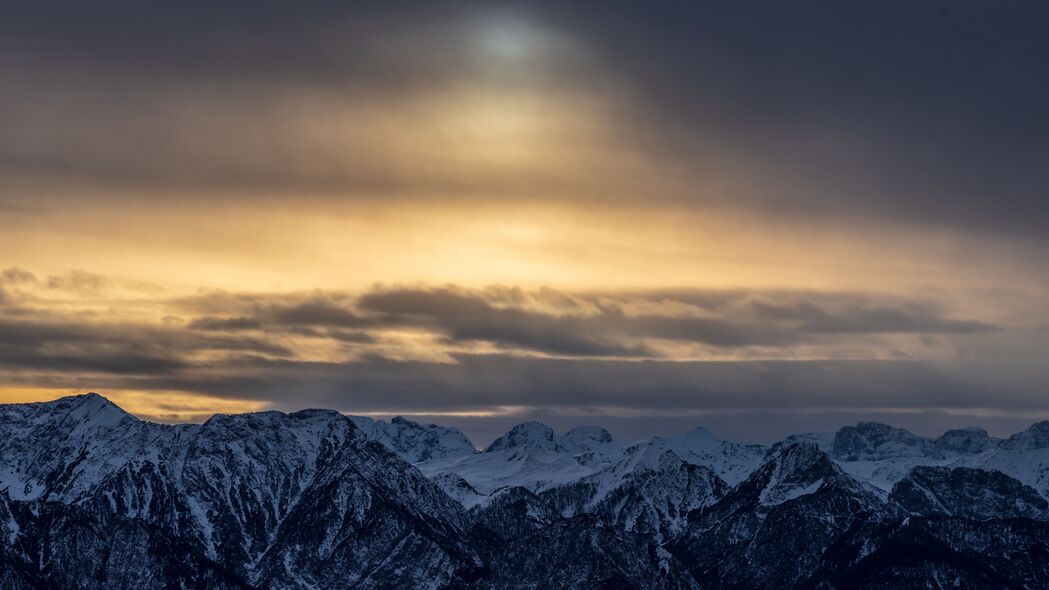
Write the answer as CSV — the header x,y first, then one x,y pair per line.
x,y
758,216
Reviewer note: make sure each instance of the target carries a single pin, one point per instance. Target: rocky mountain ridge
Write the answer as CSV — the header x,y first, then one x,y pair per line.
x,y
92,497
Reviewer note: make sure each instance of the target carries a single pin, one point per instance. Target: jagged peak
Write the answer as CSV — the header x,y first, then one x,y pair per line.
x,y
797,470
800,456
88,408
525,434
413,441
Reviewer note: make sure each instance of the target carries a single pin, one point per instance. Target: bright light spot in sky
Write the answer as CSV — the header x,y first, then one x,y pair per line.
x,y
508,39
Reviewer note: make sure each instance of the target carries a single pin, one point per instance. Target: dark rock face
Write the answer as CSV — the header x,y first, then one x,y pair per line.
x,y
941,552
585,552
511,513
55,545
969,493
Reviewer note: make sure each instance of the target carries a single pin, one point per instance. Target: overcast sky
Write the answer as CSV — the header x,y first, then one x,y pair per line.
x,y
761,217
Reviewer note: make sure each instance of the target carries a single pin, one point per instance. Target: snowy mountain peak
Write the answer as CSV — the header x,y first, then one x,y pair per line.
x,y
527,434
1035,437
587,435
94,408
874,440
799,469
800,457
971,439
415,442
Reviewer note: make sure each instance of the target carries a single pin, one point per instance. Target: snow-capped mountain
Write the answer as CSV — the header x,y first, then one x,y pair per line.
x,y
280,500
773,529
882,455
414,442
530,455
648,491
92,497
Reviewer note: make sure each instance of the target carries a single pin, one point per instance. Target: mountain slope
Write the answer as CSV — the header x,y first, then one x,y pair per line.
x,y
772,530
242,489
971,493
582,553
649,491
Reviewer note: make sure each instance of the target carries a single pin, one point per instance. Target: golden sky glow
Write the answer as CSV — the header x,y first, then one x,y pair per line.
x,y
505,187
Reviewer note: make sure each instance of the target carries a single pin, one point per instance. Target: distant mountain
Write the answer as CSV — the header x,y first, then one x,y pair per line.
x,y
882,455
414,442
93,498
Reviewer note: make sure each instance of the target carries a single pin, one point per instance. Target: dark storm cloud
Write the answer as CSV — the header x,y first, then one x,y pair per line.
x,y
466,317
930,112
858,317
578,325
924,111
563,356
74,344
316,312
226,324
737,318
610,326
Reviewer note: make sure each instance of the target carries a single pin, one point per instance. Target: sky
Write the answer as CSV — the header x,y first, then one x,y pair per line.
x,y
759,217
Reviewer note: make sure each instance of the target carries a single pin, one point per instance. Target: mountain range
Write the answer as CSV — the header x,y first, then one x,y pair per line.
x,y
92,497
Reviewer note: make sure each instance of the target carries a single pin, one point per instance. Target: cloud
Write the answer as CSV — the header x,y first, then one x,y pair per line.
x,y
316,312
440,324
225,324
852,317
618,325
78,281
71,344
513,351
15,276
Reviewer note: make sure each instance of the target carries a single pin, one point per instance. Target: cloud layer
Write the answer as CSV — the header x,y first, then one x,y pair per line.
x,y
506,351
